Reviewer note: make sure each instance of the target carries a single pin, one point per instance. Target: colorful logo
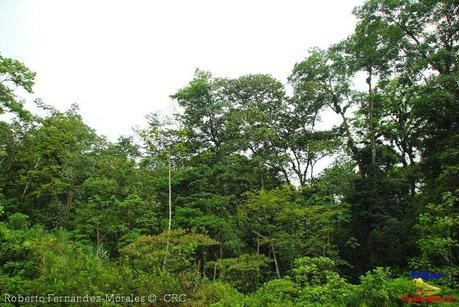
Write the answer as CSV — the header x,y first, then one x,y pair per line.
x,y
424,288
426,293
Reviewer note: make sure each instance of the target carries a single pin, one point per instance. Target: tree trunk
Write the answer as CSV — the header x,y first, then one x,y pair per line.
x,y
27,185
170,217
312,172
170,198
262,181
204,258
370,115
215,267
67,208
351,144
258,244
275,261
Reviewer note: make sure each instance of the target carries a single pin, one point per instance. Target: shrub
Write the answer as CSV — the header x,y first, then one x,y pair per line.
x,y
312,271
335,292
218,294
244,273
282,292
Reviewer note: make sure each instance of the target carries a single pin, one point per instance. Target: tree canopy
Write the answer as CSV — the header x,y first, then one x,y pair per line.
x,y
229,193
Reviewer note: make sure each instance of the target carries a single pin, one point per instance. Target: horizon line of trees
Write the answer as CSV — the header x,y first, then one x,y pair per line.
x,y
223,202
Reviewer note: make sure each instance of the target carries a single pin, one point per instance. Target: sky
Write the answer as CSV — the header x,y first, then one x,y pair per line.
x,y
120,60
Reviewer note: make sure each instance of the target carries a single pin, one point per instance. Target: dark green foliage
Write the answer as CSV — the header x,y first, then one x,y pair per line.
x,y
379,214
252,221
276,292
147,252
244,273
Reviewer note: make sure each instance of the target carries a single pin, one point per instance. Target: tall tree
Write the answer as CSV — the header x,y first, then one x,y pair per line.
x,y
14,73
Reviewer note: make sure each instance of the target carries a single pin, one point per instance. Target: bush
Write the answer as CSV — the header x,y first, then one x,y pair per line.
x,y
68,268
218,294
335,292
312,271
281,292
244,273
147,253
378,289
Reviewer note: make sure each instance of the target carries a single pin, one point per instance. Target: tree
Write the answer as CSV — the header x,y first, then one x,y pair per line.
x,y
254,118
323,80
427,61
14,73
205,112
163,144
55,158
438,241
287,224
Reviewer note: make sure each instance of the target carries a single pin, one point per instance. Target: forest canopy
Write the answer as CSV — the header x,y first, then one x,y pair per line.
x,y
225,204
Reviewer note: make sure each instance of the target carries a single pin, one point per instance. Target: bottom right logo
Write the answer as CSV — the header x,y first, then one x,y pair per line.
x,y
427,294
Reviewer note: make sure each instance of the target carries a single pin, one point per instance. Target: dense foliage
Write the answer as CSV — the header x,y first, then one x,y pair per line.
x,y
223,203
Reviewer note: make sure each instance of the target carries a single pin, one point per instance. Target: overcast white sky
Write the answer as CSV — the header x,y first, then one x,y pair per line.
x,y
120,60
